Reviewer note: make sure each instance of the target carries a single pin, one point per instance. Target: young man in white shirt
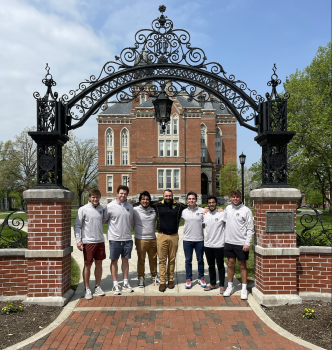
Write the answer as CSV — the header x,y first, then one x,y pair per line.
x,y
119,215
193,238
239,232
214,242
145,237
89,236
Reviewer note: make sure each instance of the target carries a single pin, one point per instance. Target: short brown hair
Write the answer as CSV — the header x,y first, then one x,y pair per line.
x,y
235,193
167,190
123,187
192,193
94,192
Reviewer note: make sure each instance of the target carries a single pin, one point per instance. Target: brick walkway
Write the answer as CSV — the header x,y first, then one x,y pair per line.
x,y
162,322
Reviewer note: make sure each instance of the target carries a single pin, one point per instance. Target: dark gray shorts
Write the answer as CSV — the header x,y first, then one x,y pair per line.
x,y
122,248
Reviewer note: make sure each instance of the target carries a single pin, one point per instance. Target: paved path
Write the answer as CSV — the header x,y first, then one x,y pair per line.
x,y
147,319
163,322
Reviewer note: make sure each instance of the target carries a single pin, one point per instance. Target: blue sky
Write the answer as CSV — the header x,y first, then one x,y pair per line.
x,y
76,38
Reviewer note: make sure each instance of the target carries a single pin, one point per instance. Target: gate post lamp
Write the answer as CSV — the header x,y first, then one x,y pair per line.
x,y
163,108
242,161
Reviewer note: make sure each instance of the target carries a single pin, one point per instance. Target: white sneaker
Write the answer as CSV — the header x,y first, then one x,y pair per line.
x,y
202,282
141,282
116,290
155,280
228,291
188,284
127,288
244,294
88,294
99,291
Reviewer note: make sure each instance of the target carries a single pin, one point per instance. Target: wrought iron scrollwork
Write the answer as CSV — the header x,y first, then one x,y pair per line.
x,y
161,53
12,233
46,104
51,135
273,135
313,232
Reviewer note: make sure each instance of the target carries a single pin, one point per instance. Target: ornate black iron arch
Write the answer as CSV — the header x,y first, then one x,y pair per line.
x,y
91,98
160,56
161,53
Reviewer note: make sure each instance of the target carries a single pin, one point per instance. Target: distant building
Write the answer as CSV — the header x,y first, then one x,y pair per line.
x,y
133,150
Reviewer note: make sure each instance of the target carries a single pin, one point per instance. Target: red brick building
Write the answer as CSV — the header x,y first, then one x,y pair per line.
x,y
134,151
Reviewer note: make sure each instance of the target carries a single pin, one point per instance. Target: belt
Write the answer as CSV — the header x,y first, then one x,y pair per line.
x,y
168,234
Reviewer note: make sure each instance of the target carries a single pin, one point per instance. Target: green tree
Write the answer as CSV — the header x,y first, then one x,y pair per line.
x,y
229,178
309,114
80,165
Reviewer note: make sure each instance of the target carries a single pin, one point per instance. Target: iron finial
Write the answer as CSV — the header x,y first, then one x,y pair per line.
x,y
274,82
162,8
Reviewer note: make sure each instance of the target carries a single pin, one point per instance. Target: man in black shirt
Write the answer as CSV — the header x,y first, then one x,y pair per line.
x,y
168,219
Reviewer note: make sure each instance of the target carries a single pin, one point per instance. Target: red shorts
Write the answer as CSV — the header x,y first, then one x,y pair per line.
x,y
94,251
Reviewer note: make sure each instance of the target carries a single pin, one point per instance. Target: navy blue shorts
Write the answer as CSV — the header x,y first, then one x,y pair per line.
x,y
235,251
122,248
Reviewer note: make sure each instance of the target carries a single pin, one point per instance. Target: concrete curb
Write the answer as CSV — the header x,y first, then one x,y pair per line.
x,y
66,312
266,319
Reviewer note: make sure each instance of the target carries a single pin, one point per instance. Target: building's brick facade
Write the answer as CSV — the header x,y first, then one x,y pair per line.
x,y
144,158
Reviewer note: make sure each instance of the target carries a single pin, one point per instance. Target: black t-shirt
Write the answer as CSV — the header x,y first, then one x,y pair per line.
x,y
168,216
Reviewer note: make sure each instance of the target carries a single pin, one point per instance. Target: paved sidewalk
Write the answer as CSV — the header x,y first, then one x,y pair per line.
x,y
147,319
163,322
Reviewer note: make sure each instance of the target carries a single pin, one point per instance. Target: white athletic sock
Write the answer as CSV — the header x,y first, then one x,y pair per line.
x,y
244,286
230,284
115,283
125,281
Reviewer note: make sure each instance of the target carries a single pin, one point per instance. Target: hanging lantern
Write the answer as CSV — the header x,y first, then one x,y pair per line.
x,y
163,108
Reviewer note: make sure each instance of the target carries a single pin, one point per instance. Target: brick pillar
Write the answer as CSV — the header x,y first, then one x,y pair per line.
x,y
49,250
275,252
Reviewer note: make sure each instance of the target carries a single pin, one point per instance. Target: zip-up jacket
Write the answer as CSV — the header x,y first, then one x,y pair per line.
x,y
193,226
120,220
88,225
168,216
144,222
214,229
239,225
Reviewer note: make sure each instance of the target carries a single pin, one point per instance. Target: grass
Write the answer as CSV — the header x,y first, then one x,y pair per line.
x,y
75,274
8,234
24,216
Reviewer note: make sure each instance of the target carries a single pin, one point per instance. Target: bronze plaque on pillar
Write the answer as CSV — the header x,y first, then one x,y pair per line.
x,y
279,221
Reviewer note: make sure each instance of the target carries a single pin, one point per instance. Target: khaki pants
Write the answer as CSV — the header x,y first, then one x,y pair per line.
x,y
144,246
167,246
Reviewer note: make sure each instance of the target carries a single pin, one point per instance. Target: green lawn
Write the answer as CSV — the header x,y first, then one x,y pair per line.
x,y
24,216
75,274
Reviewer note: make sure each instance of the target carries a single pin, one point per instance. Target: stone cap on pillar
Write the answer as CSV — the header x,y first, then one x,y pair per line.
x,y
48,195
277,194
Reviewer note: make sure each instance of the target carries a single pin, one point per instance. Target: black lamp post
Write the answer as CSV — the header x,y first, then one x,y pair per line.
x,y
163,108
242,161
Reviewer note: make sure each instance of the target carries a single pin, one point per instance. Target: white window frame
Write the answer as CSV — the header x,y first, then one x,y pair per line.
x,y
107,182
170,136
111,160
109,148
218,161
125,146
175,149
124,158
172,171
125,176
143,98
161,148
218,147
203,155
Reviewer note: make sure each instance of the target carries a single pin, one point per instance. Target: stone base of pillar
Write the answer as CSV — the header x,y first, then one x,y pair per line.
x,y
50,301
275,299
316,296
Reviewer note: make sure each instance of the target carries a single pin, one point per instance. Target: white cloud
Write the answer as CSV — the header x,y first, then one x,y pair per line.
x,y
32,38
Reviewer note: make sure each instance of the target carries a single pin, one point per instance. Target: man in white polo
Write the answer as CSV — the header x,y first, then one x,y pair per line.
x,y
193,238
89,236
119,215
238,235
